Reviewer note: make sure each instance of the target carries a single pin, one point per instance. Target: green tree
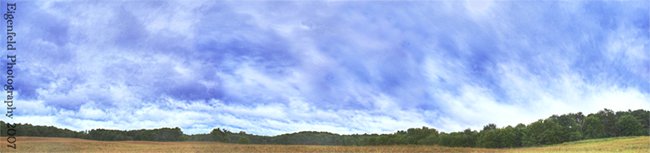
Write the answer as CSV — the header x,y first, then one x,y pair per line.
x,y
593,127
608,118
429,140
552,132
218,135
531,137
571,126
509,137
416,135
543,132
629,126
467,138
489,137
520,133
644,117
243,140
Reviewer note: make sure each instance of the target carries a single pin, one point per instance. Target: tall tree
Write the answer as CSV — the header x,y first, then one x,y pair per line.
x,y
644,117
552,132
533,131
628,125
520,132
571,128
608,118
593,127
490,137
509,137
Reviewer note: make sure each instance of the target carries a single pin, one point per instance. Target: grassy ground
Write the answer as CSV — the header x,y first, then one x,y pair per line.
x,y
619,144
39,144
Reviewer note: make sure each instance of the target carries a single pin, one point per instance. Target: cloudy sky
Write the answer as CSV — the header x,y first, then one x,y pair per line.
x,y
344,67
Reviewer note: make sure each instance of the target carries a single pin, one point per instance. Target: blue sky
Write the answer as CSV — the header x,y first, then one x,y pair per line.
x,y
346,67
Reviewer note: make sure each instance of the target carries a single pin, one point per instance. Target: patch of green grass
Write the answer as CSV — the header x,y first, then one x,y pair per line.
x,y
595,140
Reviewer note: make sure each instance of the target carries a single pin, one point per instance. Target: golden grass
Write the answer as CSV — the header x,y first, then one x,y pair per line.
x,y
619,145
40,144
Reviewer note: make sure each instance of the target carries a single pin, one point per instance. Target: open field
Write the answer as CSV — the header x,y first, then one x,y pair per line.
x,y
40,144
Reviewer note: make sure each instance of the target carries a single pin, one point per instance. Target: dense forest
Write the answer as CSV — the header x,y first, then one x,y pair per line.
x,y
552,130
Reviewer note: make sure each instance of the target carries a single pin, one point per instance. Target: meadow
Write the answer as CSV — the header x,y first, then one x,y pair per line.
x,y
44,144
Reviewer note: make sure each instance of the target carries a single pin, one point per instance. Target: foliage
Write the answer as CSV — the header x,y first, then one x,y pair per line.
x,y
553,130
629,126
593,127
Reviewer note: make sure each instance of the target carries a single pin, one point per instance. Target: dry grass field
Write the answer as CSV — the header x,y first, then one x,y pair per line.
x,y
40,144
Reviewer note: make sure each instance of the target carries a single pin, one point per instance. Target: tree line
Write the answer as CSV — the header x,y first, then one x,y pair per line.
x,y
552,130
161,134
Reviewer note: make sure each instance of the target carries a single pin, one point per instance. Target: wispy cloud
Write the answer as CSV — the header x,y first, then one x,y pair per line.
x,y
345,67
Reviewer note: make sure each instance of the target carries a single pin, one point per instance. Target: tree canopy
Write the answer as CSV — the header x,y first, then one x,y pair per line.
x,y
552,130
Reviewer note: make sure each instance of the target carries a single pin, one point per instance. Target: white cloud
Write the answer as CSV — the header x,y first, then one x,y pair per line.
x,y
353,69
629,47
88,111
479,8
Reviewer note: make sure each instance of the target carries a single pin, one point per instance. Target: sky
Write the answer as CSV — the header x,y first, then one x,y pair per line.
x,y
346,67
